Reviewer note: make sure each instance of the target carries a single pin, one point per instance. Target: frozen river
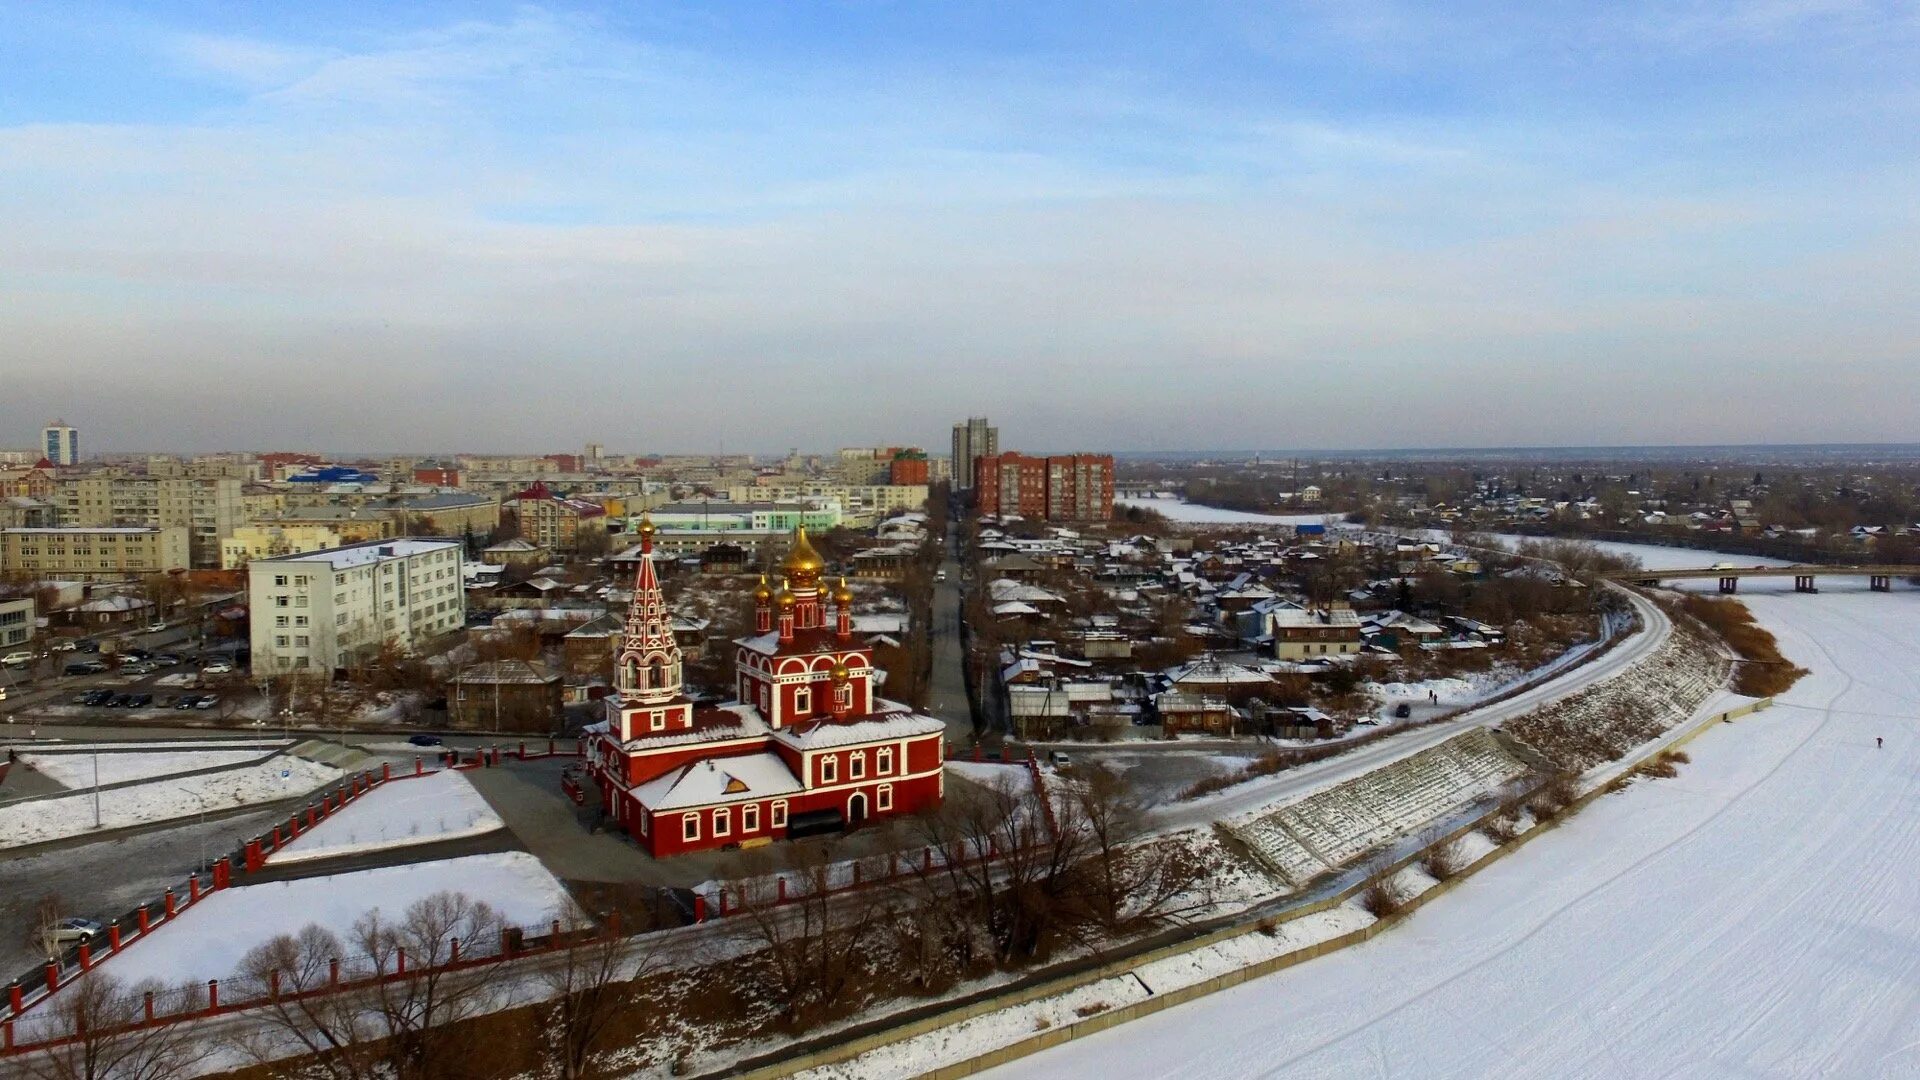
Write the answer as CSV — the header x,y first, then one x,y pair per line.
x,y
1757,916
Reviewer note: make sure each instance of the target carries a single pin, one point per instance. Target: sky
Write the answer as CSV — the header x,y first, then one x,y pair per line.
x,y
692,227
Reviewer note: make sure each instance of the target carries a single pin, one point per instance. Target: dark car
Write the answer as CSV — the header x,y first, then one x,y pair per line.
x,y
88,646
135,654
167,659
139,701
86,667
186,701
425,740
96,697
1403,710
120,701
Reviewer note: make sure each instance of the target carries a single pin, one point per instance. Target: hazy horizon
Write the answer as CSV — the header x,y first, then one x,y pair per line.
x,y
526,227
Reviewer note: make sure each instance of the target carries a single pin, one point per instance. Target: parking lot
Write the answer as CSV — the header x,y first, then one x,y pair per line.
x,y
74,679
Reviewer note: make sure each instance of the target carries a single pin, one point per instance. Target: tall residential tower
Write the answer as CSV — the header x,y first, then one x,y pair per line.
x,y
972,439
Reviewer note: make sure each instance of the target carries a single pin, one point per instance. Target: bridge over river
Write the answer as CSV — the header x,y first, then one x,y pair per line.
x,y
1879,576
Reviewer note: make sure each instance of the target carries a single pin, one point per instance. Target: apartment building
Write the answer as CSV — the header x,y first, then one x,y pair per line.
x,y
861,505
250,542
322,611
973,439
1066,487
92,554
16,623
208,507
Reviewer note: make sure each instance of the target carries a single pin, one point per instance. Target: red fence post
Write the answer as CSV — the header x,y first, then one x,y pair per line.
x,y
6,1037
223,873
254,859
53,977
699,908
86,957
141,918
549,747
193,890
333,972
213,994
293,827
273,983
400,961
147,1005
553,936
780,888
506,940
113,938
312,819
386,771
523,751
276,838
417,767
16,999
169,902
453,957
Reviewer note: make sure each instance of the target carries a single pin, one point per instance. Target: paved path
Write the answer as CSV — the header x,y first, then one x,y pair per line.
x,y
947,692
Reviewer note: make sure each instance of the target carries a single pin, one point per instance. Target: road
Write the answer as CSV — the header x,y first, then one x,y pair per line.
x,y
947,689
1294,783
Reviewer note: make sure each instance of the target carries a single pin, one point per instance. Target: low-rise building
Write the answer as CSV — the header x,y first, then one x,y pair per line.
x,y
93,554
16,623
1299,634
506,695
322,611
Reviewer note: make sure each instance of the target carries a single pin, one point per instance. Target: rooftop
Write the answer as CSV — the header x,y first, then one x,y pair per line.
x,y
368,553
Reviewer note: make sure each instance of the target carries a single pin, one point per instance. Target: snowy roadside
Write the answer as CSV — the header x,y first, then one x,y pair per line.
x,y
399,813
82,769
74,815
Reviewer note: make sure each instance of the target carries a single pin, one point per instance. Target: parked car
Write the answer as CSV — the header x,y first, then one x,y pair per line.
x,y
1402,711
96,698
1059,760
166,659
207,701
135,654
155,627
186,701
77,930
120,701
139,667
65,645
426,740
139,701
86,667
17,659
217,667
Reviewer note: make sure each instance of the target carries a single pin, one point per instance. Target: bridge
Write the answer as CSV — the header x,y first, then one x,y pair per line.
x,y
1879,577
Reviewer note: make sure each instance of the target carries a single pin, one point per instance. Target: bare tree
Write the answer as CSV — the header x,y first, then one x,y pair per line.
x,y
48,912
597,977
418,1012
308,1026
811,944
111,1040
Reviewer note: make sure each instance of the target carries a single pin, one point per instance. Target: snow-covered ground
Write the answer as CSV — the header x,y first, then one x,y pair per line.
x,y
160,800
1194,513
77,770
1757,916
208,940
398,813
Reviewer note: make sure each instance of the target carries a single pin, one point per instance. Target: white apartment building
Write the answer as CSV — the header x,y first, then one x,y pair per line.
x,y
322,611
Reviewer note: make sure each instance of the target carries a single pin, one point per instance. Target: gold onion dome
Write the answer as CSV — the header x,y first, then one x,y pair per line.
x,y
786,599
763,592
804,565
646,527
843,595
839,673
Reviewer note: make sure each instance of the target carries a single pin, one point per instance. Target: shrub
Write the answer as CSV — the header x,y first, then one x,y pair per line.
x,y
1764,672
1443,861
1502,825
1554,796
1384,898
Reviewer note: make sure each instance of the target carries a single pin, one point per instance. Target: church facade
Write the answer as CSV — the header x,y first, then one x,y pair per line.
x,y
808,746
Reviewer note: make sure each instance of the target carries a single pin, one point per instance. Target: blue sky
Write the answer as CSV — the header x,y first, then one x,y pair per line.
x,y
678,226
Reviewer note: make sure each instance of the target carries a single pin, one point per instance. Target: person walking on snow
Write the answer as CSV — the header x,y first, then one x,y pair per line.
x,y
1879,743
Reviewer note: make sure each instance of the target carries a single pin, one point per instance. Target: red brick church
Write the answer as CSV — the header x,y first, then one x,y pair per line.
x,y
808,748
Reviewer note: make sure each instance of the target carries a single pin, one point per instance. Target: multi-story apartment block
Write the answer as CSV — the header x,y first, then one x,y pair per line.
x,y
973,439
323,611
554,522
861,505
61,443
209,508
250,542
1067,487
93,554
16,623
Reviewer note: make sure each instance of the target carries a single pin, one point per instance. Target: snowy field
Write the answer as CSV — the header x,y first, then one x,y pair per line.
x,y
1757,916
76,770
1193,513
73,815
209,939
398,813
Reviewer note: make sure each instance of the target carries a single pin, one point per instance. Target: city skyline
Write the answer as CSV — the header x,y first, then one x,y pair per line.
x,y
1355,227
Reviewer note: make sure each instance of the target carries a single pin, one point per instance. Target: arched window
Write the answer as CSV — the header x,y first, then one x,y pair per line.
x,y
656,674
630,674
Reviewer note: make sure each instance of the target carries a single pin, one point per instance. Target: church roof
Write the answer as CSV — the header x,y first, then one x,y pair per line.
x,y
879,727
718,781
808,642
730,721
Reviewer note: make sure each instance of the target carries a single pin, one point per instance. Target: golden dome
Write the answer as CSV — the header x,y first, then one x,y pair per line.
x,y
762,592
803,563
843,595
646,527
786,599
839,673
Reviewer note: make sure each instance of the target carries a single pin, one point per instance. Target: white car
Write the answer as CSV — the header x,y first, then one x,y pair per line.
x,y
77,930
218,667
65,645
17,659
155,627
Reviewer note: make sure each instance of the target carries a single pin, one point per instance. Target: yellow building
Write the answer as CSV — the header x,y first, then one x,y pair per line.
x,y
88,554
250,542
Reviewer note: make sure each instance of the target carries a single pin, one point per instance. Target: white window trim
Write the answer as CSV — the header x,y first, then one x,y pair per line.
x,y
722,821
690,826
883,797
829,770
777,816
749,818
857,765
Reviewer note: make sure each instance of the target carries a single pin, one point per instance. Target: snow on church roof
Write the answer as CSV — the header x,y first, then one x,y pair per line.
x,y
882,727
720,780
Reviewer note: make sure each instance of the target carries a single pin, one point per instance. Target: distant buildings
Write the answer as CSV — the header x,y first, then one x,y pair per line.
x,y
316,612
553,521
1068,487
92,554
973,439
208,507
61,442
